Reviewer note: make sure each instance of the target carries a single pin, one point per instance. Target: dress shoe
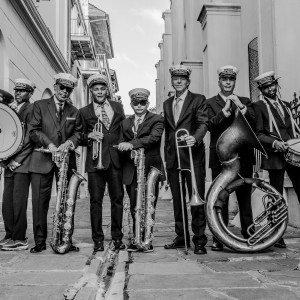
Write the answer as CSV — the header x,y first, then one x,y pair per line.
x,y
117,245
217,246
176,244
99,247
150,249
38,248
199,249
280,243
132,248
74,248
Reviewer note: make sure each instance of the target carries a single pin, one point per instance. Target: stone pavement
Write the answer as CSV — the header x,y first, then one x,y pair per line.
x,y
163,274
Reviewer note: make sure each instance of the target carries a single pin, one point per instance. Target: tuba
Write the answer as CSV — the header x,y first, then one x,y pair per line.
x,y
144,221
63,216
269,226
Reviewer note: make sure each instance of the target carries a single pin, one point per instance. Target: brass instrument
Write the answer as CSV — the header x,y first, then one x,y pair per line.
x,y
97,146
195,199
63,216
271,224
144,221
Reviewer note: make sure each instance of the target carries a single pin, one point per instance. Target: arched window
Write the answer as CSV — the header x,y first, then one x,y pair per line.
x,y
47,94
253,68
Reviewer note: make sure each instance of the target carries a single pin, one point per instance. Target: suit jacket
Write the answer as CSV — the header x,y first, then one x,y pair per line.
x,y
218,123
45,129
110,154
148,137
194,118
23,156
275,160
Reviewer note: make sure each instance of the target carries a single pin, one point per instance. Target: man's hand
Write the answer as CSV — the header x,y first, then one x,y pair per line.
x,y
64,148
280,146
96,136
235,99
227,107
13,165
52,148
190,140
125,146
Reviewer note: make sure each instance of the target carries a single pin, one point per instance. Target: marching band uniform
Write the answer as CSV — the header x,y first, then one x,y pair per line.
x,y
188,111
17,177
141,130
220,118
53,127
110,114
274,126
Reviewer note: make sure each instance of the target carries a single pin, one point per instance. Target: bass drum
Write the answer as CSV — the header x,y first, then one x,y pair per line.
x,y
11,132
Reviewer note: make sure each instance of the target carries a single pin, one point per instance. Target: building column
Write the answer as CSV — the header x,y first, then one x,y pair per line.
x,y
221,29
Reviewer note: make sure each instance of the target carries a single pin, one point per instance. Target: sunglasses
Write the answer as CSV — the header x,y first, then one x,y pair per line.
x,y
136,102
62,87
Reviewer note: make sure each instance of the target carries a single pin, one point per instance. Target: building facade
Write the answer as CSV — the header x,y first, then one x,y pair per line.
x,y
39,38
256,36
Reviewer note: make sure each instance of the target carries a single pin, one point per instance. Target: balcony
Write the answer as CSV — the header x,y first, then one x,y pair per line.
x,y
82,42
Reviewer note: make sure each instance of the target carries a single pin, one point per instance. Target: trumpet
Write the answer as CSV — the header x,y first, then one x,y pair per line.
x,y
195,199
97,146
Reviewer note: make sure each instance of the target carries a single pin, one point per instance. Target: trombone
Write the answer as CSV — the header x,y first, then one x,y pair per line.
x,y
97,146
195,199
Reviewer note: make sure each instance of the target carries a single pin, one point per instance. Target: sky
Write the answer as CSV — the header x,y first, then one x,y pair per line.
x,y
136,29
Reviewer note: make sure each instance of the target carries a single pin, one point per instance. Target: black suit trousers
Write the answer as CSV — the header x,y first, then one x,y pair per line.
x,y
243,195
198,212
132,193
96,185
41,194
277,178
14,206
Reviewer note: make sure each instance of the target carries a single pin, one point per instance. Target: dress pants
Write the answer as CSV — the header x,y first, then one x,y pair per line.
x,y
96,185
41,194
277,178
132,193
14,206
243,195
198,212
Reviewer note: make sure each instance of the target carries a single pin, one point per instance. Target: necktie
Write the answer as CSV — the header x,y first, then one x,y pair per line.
x,y
136,127
60,111
276,105
105,119
177,110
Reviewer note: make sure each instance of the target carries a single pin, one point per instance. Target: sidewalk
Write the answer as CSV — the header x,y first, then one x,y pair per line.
x,y
170,274
163,274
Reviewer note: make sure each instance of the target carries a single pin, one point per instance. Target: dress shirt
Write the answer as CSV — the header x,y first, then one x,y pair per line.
x,y
227,114
57,104
108,109
179,102
19,107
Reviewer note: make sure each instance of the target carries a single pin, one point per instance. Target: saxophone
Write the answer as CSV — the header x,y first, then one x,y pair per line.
x,y
63,216
144,220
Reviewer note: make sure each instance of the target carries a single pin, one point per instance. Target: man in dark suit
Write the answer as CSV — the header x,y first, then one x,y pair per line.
x,y
17,177
141,130
53,127
221,115
188,111
108,115
274,126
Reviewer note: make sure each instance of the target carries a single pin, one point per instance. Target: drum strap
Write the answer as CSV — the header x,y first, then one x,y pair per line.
x,y
294,124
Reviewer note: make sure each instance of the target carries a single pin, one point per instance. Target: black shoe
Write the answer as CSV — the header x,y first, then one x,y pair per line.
x,y
99,247
217,246
74,248
150,249
132,248
118,245
176,244
38,248
280,244
199,249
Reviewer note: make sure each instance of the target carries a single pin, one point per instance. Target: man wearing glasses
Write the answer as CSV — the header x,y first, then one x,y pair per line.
x,y
143,129
53,127
101,121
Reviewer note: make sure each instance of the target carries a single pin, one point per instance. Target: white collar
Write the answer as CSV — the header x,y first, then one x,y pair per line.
x,y
182,96
140,117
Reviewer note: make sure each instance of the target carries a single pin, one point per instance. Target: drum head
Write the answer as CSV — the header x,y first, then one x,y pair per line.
x,y
294,145
11,132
